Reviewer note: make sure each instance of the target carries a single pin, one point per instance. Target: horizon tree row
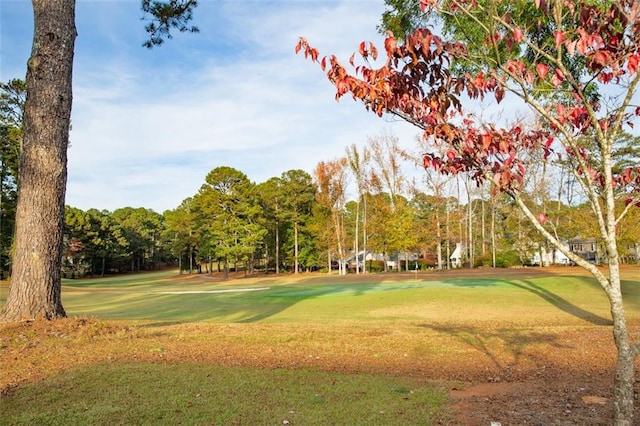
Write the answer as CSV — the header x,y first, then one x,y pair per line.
x,y
297,222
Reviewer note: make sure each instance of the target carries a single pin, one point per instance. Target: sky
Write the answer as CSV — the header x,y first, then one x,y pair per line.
x,y
149,125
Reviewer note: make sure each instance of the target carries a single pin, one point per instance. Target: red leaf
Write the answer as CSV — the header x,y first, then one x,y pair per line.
x,y
601,58
497,178
374,51
548,143
313,53
528,77
542,70
323,63
559,37
517,34
486,140
363,49
478,80
557,77
542,218
582,45
390,45
499,94
632,64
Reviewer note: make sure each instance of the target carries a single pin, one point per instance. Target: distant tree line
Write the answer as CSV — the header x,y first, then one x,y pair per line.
x,y
371,200
300,222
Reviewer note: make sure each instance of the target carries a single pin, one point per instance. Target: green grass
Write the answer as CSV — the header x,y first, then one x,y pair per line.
x,y
151,296
149,394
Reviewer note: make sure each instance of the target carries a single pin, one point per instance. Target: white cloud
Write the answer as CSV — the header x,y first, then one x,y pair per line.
x,y
149,125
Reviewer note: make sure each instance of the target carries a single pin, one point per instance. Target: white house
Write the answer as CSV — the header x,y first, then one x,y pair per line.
x,y
545,257
456,256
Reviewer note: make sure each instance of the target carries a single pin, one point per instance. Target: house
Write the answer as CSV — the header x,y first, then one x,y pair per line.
x,y
456,256
545,257
630,252
586,248
362,258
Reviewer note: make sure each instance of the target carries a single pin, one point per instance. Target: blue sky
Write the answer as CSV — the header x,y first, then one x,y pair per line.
x,y
148,125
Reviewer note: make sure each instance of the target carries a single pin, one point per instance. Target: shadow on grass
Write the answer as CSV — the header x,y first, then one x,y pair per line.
x,y
503,347
561,303
291,295
140,303
230,307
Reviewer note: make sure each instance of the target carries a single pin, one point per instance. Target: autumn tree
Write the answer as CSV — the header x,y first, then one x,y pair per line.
x,y
629,236
511,56
35,286
428,226
331,180
386,178
432,211
357,161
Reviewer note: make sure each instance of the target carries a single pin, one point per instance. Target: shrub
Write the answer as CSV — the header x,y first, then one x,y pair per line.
x,y
375,265
506,259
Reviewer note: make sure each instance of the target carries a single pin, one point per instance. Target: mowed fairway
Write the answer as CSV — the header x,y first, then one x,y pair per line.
x,y
518,297
291,348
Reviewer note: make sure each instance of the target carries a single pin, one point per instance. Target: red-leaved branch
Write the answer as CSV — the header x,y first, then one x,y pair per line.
x,y
415,82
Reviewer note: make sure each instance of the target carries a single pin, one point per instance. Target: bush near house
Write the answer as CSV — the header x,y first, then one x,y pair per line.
x,y
507,259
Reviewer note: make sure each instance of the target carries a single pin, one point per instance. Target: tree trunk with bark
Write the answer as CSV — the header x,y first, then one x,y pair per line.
x,y
624,377
36,282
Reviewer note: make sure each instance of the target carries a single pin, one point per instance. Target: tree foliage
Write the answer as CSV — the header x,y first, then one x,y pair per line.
x,y
229,214
331,180
579,79
12,99
166,15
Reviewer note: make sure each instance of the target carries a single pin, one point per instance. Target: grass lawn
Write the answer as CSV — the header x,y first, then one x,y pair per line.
x,y
161,348
145,393
168,297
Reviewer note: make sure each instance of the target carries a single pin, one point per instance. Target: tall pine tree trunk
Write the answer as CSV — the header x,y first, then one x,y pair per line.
x,y
36,282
